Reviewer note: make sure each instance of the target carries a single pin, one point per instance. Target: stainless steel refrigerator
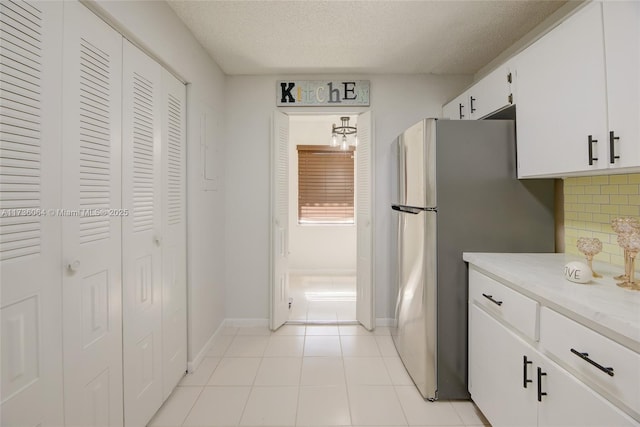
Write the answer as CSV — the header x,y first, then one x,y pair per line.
x,y
455,191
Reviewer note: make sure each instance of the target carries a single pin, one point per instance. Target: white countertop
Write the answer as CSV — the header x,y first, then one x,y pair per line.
x,y
599,304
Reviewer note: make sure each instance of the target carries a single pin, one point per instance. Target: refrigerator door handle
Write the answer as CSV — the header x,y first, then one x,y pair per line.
x,y
411,209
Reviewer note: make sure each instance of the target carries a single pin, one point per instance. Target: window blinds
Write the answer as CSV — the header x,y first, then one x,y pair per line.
x,y
325,184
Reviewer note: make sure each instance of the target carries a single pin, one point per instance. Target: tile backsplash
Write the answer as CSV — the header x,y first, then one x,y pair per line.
x,y
590,203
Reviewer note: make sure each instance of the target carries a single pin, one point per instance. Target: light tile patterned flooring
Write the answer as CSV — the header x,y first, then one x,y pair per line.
x,y
306,376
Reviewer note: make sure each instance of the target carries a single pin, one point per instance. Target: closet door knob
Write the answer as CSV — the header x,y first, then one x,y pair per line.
x,y
73,266
157,240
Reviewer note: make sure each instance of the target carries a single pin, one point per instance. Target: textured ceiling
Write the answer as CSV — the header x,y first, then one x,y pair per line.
x,y
392,36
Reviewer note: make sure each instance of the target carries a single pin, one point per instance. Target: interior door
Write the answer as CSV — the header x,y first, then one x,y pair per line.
x,y
141,248
364,222
91,226
279,220
174,244
30,268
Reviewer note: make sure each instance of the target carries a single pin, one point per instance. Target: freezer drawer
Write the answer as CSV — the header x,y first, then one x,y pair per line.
x,y
415,336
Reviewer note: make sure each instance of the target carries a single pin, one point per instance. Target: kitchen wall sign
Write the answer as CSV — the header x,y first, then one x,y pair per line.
x,y
314,93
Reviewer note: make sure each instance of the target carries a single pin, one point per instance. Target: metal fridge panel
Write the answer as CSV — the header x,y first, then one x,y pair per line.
x,y
415,331
482,207
417,165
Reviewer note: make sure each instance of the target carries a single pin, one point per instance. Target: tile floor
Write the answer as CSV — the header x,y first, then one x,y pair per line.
x,y
323,298
305,376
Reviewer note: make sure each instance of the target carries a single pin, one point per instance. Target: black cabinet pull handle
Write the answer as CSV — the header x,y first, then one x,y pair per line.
x,y
540,392
591,158
525,362
585,357
472,109
460,109
490,298
612,148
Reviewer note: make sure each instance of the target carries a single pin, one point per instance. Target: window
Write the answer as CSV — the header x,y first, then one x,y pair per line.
x,y
325,185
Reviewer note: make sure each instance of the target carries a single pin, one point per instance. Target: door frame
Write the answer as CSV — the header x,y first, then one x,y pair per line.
x,y
272,170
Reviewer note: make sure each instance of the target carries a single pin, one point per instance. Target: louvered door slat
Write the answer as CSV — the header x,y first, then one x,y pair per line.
x,y
12,78
12,113
94,153
174,160
20,124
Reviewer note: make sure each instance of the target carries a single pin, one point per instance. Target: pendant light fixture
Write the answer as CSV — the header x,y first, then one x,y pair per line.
x,y
343,130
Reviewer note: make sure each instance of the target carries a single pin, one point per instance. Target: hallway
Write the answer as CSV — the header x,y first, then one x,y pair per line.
x,y
305,376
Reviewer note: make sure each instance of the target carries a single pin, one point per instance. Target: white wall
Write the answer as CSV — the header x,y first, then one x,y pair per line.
x,y
397,102
155,27
316,249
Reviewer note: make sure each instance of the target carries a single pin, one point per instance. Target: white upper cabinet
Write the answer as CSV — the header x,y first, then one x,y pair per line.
x,y
491,94
457,109
622,53
578,95
561,110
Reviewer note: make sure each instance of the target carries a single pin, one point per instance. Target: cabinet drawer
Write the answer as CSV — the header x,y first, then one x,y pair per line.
x,y
559,335
514,308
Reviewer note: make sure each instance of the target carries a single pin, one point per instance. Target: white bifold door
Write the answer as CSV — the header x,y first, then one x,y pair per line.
x,y
92,222
91,228
30,265
364,222
280,220
142,236
154,237
174,233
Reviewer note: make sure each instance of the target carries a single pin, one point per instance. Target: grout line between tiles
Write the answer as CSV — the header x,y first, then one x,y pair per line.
x,y
193,404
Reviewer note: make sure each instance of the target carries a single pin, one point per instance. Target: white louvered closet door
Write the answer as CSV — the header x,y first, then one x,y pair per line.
x,y
280,220
30,269
142,238
364,222
174,241
91,238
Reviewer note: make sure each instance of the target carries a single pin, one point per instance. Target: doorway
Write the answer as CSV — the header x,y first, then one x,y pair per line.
x,y
322,230
321,270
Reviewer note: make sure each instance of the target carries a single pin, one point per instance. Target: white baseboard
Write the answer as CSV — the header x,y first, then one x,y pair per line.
x,y
382,321
192,365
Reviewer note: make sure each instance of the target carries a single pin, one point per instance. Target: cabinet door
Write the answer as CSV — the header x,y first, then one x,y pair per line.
x,y
497,372
562,99
457,109
569,402
490,94
622,49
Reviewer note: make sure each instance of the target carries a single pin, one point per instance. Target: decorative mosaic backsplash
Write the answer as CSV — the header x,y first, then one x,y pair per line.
x,y
589,205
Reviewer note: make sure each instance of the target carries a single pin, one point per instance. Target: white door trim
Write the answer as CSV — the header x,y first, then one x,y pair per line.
x,y
273,167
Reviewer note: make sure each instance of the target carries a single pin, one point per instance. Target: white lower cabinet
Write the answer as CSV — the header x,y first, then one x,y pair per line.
x,y
496,376
515,384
